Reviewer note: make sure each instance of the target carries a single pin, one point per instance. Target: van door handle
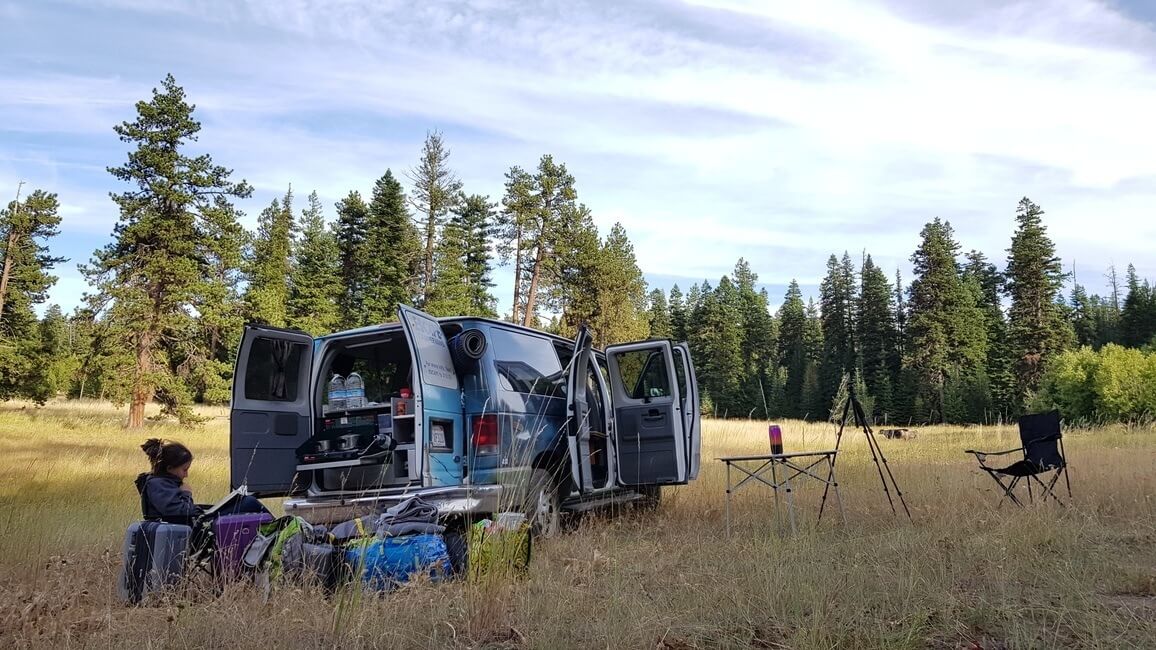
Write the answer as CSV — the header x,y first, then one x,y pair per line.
x,y
653,415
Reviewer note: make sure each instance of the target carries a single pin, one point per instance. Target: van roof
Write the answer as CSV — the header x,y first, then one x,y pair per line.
x,y
453,319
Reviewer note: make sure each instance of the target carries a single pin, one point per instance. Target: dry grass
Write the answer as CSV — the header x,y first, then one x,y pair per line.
x,y
964,575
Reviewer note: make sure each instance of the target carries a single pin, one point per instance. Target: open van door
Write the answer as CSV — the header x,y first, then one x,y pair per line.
x,y
437,399
578,413
691,409
270,415
649,425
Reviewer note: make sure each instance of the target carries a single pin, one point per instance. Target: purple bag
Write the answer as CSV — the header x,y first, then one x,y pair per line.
x,y
232,535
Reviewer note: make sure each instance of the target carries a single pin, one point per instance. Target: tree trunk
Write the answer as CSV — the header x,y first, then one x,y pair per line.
x,y
532,293
12,239
141,391
430,230
517,272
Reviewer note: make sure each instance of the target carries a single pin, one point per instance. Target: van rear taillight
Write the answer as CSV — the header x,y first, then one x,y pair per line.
x,y
485,438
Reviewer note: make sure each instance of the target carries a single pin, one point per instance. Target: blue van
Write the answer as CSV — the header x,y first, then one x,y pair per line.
x,y
476,416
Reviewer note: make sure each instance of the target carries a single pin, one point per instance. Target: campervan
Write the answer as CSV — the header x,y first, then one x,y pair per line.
x,y
476,416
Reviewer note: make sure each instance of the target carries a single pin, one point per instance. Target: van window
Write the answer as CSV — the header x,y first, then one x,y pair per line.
x,y
526,364
272,371
643,374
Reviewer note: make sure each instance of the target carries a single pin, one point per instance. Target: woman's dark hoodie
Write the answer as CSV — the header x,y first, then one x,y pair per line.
x,y
162,498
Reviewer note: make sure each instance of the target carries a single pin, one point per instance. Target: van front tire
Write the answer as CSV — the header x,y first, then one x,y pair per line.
x,y
543,505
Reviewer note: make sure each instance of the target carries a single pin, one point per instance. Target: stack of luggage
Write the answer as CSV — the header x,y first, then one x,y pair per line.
x,y
381,552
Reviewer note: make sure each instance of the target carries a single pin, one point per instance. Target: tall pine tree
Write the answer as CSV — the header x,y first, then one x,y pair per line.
x,y
945,328
792,350
392,253
436,191
353,257
658,315
315,282
173,221
1037,330
877,338
836,300
270,263
25,228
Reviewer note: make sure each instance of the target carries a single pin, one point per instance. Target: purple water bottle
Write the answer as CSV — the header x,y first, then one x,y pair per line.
x,y
776,439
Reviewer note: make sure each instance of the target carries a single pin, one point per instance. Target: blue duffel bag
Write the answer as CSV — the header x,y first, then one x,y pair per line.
x,y
383,563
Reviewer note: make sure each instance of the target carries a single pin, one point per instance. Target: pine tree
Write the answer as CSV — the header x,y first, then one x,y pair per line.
x,y
716,346
836,299
541,215
658,315
450,293
270,263
315,282
436,191
25,228
476,220
946,329
1036,328
986,284
792,350
352,230
677,315
1138,317
173,223
392,253
815,401
620,290
759,344
877,337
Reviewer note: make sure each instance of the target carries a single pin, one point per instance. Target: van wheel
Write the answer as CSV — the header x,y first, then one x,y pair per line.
x,y
543,505
651,497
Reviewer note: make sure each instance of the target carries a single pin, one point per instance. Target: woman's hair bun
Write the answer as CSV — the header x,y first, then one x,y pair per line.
x,y
152,448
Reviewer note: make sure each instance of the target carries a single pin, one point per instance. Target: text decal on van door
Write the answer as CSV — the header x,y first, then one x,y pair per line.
x,y
433,353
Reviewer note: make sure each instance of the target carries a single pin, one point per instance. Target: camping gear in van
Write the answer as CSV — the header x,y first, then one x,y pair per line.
x,y
336,393
499,548
354,391
350,441
384,563
153,557
232,534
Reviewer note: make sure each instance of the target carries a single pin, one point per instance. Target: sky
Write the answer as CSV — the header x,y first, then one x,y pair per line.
x,y
779,132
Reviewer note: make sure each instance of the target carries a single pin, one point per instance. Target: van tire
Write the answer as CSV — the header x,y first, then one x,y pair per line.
x,y
543,505
651,497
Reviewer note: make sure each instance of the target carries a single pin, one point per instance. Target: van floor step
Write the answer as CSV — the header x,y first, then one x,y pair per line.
x,y
591,503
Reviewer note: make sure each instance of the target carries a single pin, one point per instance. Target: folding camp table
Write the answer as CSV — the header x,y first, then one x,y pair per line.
x,y
782,468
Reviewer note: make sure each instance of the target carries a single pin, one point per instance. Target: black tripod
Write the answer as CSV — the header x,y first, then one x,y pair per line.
x,y
853,405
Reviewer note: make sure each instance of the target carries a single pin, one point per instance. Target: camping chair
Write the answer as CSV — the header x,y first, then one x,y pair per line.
x,y
1043,450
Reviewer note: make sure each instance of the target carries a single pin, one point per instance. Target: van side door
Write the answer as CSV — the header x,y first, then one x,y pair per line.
x,y
270,415
437,399
649,426
578,412
691,409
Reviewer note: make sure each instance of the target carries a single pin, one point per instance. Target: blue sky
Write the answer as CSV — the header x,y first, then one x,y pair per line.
x,y
780,132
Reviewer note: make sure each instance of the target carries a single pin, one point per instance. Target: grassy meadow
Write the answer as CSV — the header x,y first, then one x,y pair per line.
x,y
965,574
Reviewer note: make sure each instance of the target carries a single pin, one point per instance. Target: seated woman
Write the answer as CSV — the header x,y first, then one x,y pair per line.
x,y
164,495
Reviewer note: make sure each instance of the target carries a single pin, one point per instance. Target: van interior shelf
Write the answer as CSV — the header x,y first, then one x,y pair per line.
x,y
353,462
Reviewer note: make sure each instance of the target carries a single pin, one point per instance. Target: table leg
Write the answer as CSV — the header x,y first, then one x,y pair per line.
x,y
728,506
775,489
790,503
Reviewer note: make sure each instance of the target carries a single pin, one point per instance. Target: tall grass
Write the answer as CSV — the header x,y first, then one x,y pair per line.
x,y
963,572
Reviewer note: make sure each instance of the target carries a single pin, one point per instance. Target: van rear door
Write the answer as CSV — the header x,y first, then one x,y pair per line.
x,y
437,399
649,426
270,415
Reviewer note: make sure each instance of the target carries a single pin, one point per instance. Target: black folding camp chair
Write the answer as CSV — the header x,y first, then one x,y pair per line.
x,y
1043,451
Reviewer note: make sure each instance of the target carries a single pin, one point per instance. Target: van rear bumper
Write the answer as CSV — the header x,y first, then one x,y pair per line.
x,y
454,500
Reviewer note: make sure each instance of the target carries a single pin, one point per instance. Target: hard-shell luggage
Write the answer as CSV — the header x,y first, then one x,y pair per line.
x,y
153,558
383,563
231,536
